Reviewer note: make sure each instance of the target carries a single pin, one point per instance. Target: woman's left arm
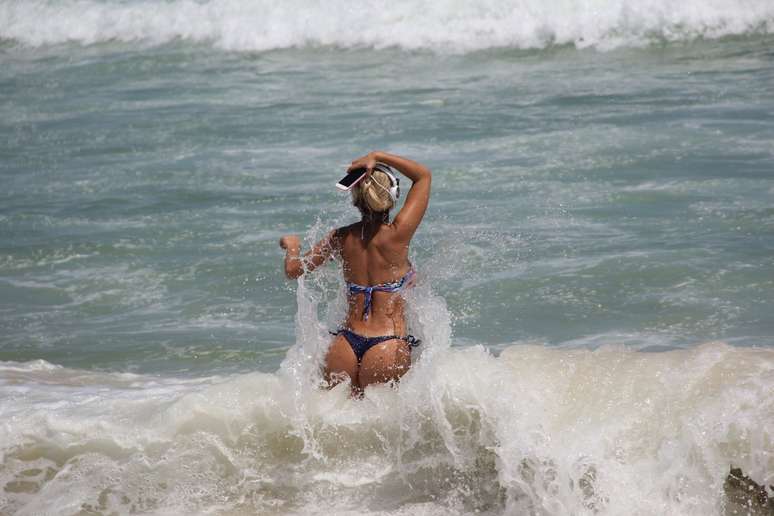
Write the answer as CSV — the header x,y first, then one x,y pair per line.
x,y
295,265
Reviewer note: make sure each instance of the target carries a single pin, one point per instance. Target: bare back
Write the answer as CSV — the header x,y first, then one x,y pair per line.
x,y
373,345
372,257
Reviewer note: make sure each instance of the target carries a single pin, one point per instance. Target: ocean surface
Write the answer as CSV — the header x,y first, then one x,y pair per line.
x,y
596,268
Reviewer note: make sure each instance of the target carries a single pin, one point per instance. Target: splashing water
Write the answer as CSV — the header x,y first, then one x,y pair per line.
x,y
627,200
533,431
408,24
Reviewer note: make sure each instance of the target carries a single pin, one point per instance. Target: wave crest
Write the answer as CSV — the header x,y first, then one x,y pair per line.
x,y
441,25
533,431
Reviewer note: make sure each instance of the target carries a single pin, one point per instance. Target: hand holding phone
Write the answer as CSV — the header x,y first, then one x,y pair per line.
x,y
368,161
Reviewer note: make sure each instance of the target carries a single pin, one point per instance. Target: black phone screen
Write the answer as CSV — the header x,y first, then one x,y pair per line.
x,y
351,178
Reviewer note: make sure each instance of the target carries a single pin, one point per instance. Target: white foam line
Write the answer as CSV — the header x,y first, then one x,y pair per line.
x,y
409,24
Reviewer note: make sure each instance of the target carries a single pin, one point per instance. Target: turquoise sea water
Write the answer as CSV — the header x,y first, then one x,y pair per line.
x,y
603,188
580,196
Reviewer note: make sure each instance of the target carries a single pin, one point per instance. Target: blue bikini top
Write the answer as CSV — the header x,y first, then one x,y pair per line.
x,y
395,286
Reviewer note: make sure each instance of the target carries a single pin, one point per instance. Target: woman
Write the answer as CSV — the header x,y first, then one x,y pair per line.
x,y
373,344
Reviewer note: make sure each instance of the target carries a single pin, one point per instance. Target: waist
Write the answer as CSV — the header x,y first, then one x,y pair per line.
x,y
381,320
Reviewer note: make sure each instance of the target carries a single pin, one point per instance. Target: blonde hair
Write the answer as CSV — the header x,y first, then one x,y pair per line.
x,y
373,193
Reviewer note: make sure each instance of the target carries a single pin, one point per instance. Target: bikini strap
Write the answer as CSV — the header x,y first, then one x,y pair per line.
x,y
382,287
410,339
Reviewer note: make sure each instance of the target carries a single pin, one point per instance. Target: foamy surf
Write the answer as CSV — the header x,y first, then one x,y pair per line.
x,y
408,24
534,431
600,203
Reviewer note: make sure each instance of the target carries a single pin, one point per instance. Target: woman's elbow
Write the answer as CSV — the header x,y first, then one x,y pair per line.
x,y
294,271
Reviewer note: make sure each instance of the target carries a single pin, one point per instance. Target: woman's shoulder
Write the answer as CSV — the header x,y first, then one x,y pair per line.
x,y
340,236
341,232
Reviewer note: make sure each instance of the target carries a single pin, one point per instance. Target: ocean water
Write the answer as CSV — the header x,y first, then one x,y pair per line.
x,y
596,269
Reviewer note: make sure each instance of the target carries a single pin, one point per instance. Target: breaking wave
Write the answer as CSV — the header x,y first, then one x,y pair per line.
x,y
442,25
533,431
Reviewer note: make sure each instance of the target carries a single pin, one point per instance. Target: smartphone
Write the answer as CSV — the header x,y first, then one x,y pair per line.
x,y
351,179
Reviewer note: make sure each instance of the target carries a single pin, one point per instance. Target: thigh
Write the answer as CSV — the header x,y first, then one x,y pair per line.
x,y
340,361
384,362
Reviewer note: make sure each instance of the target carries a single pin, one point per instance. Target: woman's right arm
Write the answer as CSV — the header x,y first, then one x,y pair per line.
x,y
296,265
409,217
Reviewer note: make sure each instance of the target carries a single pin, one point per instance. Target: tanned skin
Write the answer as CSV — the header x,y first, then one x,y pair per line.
x,y
373,251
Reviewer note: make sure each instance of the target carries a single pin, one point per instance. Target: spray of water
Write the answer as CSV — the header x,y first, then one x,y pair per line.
x,y
410,24
534,430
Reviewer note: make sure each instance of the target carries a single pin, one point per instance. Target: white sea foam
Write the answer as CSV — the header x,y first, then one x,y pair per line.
x,y
535,431
410,24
